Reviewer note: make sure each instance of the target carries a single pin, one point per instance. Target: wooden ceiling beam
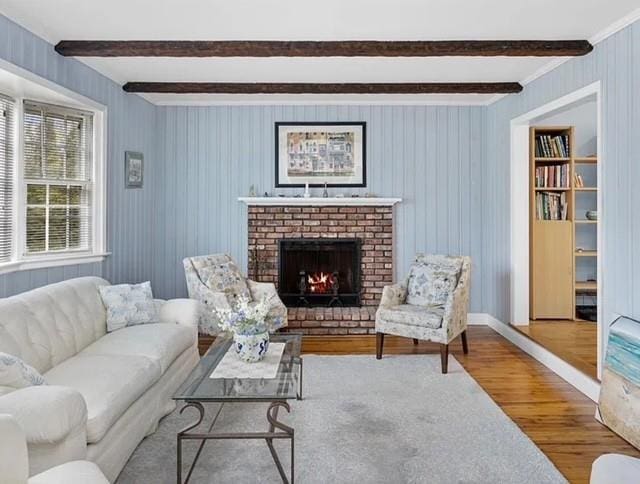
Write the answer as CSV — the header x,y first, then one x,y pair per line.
x,y
348,48
323,88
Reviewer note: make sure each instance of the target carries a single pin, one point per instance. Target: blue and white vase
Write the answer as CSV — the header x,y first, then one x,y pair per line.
x,y
251,348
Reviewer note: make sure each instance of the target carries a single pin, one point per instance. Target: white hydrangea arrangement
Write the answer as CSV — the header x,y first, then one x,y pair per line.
x,y
245,317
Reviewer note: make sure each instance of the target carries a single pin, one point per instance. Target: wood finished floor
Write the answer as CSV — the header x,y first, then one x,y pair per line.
x,y
558,418
573,341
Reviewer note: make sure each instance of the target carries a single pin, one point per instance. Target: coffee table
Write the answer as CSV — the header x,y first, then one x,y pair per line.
x,y
199,390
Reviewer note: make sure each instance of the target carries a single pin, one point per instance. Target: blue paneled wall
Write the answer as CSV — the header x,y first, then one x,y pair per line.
x,y
616,63
431,157
449,164
131,126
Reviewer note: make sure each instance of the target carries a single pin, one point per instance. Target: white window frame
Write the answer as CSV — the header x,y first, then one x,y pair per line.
x,y
34,88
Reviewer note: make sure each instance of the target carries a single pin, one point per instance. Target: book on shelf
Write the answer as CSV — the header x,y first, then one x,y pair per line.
x,y
552,176
578,182
548,146
551,206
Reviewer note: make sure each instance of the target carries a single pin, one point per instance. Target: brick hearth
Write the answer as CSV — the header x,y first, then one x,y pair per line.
x,y
373,224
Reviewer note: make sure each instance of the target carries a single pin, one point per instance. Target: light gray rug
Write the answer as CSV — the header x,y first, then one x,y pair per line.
x,y
398,420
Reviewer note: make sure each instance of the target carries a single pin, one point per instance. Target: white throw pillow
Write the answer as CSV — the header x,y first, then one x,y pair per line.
x,y
15,373
128,305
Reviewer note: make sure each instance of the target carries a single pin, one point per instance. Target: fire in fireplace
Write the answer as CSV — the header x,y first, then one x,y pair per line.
x,y
321,282
319,272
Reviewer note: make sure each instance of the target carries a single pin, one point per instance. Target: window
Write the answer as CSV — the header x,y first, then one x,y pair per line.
x,y
57,179
7,142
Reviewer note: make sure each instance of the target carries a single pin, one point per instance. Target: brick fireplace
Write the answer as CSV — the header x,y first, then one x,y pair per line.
x,y
368,222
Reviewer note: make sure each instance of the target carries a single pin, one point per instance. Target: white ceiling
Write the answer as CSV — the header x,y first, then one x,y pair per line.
x,y
325,20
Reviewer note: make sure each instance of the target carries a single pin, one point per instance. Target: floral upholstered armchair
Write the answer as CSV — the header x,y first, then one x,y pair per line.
x,y
216,282
431,304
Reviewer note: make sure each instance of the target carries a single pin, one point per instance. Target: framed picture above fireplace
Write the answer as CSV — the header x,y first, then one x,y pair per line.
x,y
321,152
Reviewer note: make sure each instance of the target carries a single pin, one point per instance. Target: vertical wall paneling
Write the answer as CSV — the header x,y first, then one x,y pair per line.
x,y
131,126
616,63
211,155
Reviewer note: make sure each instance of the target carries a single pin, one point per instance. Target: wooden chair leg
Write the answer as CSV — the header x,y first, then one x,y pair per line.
x,y
465,345
415,341
379,345
444,358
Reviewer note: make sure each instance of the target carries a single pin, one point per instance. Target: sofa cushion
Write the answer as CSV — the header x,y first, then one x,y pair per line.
x,y
108,383
45,326
16,373
428,317
162,342
432,279
128,305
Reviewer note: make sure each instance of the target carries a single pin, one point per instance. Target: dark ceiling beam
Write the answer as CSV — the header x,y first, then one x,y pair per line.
x,y
350,48
323,88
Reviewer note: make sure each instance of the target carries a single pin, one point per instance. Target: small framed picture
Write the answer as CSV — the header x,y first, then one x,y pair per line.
x,y
321,152
133,169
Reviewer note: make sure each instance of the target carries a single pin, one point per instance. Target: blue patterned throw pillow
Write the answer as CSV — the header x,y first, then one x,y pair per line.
x,y
128,305
15,373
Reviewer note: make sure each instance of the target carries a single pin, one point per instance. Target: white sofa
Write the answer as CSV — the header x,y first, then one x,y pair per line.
x,y
14,462
104,392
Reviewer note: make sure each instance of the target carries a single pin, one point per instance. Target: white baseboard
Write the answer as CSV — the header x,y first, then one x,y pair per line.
x,y
564,370
474,319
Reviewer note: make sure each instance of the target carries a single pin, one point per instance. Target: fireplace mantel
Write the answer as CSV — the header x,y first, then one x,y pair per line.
x,y
320,201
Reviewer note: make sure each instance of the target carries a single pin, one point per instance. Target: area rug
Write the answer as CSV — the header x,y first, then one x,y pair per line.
x,y
397,420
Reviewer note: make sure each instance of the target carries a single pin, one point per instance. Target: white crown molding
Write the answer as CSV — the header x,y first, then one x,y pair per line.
x,y
615,27
548,67
605,33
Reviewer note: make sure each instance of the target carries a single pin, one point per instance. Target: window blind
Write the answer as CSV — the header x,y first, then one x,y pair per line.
x,y
7,141
58,167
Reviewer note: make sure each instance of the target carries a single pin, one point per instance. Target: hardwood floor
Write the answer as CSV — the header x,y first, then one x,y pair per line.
x,y
558,418
573,341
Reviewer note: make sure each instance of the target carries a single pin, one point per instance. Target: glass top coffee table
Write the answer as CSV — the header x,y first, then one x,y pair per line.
x,y
199,389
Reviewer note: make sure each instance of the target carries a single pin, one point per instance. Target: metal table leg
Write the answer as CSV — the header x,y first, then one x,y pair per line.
x,y
277,430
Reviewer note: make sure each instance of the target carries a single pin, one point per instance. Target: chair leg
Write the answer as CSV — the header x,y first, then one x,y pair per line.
x,y
465,345
444,358
379,345
415,341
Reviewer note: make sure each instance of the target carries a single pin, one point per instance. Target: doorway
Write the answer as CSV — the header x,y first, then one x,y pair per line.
x,y
563,196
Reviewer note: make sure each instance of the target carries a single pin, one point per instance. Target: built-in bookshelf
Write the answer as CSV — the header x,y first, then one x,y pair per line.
x,y
561,186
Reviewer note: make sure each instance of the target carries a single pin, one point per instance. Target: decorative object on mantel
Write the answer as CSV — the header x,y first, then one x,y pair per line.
x,y
252,191
247,322
266,195
318,201
591,215
325,192
317,153
307,194
133,169
619,402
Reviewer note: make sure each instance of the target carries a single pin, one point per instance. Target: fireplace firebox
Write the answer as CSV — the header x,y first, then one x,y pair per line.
x,y
319,272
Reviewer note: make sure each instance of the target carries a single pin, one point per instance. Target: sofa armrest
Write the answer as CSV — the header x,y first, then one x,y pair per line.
x,y
456,309
182,311
14,462
46,413
393,295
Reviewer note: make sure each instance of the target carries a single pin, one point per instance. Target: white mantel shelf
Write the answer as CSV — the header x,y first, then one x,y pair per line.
x,y
321,201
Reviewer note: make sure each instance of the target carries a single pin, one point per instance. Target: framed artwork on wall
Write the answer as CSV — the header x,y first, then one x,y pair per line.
x,y
133,169
321,152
